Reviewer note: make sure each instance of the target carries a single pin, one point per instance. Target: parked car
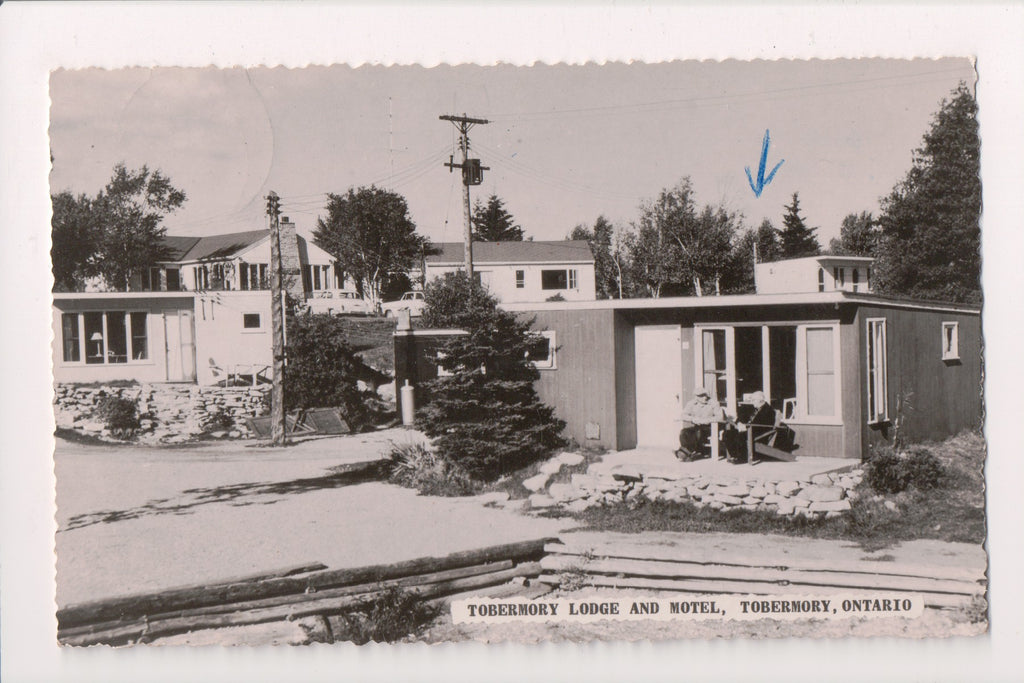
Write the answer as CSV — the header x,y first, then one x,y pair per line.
x,y
338,303
410,301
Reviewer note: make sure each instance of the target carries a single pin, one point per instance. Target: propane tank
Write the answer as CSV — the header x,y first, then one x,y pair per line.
x,y
408,404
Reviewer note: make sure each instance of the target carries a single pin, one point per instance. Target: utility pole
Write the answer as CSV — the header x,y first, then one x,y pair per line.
x,y
472,174
277,424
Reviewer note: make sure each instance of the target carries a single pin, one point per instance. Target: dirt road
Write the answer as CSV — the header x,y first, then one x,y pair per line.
x,y
143,519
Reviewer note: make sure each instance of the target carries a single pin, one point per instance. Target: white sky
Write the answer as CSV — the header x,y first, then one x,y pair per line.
x,y
566,143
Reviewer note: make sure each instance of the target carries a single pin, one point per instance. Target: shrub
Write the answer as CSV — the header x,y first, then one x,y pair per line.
x,y
887,472
485,415
322,369
924,471
120,415
415,466
389,615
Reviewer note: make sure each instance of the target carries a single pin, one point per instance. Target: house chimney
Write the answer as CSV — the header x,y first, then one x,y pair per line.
x,y
291,264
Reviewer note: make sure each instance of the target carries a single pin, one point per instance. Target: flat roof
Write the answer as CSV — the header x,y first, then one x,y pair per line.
x,y
512,252
185,294
740,300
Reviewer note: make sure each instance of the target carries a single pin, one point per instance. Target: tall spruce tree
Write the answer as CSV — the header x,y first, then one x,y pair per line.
x,y
930,241
485,415
493,223
796,238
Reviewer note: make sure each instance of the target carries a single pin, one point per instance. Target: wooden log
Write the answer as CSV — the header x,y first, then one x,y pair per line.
x,y
831,579
507,590
322,606
679,553
295,598
168,601
943,600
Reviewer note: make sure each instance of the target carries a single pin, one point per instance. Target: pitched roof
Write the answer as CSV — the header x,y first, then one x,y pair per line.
x,y
562,251
212,246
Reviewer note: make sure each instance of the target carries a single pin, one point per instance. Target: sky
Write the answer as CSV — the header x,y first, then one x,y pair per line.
x,y
565,143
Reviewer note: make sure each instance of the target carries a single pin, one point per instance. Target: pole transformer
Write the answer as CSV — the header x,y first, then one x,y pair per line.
x,y
472,174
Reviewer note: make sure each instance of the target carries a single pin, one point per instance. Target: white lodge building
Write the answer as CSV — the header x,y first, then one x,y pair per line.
x,y
815,274
518,272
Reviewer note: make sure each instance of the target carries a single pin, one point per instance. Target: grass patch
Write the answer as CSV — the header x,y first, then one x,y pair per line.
x,y
417,466
952,511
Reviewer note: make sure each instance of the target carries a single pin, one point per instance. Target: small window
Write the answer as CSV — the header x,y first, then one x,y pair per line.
x,y
520,279
950,341
173,280
140,341
554,279
856,279
867,281
878,384
541,351
573,279
71,338
251,321
821,279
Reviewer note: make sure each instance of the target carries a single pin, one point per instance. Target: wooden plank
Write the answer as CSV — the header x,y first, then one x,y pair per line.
x,y
359,589
174,600
321,606
618,566
703,555
943,600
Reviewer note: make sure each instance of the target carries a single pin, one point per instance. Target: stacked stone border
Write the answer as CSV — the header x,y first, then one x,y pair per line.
x,y
823,495
170,413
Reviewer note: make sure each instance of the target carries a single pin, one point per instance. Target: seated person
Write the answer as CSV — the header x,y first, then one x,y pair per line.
x,y
761,422
700,412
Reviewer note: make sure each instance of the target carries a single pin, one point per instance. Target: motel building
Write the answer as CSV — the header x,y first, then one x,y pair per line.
x,y
839,362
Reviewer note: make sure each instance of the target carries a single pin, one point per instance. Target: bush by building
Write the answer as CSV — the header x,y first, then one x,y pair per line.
x,y
484,413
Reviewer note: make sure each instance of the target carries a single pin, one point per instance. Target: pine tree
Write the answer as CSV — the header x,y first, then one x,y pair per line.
x,y
493,223
485,416
796,238
930,242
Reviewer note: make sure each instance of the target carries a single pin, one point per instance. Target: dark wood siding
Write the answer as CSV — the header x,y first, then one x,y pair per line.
x,y
583,388
943,397
625,383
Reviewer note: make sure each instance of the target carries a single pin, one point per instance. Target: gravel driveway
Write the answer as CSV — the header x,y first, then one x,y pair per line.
x,y
137,519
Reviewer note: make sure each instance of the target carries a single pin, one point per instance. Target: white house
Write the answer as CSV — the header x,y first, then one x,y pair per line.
x,y
241,261
814,274
196,337
522,271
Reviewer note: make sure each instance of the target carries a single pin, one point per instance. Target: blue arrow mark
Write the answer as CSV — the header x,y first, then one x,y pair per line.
x,y
758,187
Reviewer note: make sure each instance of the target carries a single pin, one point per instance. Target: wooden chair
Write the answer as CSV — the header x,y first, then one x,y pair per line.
x,y
764,444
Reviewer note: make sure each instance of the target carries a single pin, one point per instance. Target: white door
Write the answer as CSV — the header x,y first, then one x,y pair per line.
x,y
179,346
659,385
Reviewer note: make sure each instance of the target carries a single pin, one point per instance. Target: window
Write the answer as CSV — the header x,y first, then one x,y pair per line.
x,y
107,337
72,340
140,336
867,281
173,280
251,321
542,350
878,401
520,279
950,341
554,279
573,279
856,278
821,279
821,394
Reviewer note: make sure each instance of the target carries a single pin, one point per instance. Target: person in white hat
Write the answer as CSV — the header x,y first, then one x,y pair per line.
x,y
698,414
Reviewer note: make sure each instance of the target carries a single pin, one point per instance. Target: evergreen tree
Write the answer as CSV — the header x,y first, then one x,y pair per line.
x,y
796,238
485,416
769,247
600,241
493,223
930,232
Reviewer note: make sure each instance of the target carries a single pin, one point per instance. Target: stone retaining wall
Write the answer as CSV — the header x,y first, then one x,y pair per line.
x,y
169,413
827,494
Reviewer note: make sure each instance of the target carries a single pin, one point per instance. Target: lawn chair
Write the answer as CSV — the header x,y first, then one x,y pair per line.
x,y
764,444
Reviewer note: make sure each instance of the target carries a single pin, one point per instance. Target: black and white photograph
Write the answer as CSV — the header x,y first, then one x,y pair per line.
x,y
408,354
